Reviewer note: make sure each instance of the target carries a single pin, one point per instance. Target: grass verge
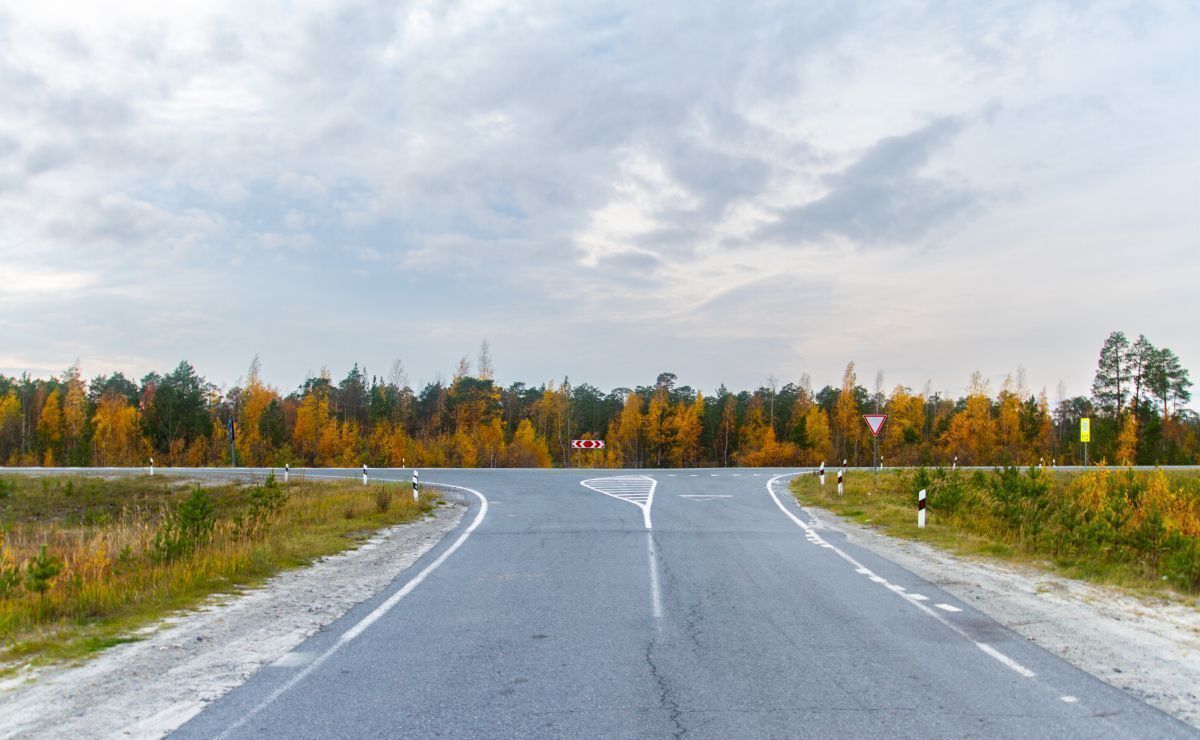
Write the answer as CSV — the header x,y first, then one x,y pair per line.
x,y
1139,530
85,562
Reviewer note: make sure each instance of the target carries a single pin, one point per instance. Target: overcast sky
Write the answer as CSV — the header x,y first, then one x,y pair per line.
x,y
722,190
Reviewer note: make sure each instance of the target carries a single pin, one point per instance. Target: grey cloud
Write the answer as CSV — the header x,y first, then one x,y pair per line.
x,y
883,197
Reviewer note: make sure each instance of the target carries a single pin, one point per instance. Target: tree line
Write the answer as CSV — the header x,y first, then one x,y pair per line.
x,y
179,418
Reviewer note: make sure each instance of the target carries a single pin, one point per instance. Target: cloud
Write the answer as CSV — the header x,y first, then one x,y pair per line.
x,y
676,176
883,197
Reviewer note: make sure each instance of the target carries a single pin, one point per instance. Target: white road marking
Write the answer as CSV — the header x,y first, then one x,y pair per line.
x,y
1005,659
655,592
636,489
948,608
1069,699
371,618
918,597
860,568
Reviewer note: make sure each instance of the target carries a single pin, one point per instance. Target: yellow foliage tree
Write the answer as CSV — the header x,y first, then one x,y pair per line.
x,y
820,440
50,428
1127,440
116,439
972,432
846,421
527,449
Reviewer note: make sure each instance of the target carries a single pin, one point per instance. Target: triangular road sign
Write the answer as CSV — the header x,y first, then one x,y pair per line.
x,y
875,421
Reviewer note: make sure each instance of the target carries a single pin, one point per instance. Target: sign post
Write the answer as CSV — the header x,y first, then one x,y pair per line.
x,y
1085,436
875,422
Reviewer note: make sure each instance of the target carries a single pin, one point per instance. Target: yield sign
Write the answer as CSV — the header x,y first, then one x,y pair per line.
x,y
875,421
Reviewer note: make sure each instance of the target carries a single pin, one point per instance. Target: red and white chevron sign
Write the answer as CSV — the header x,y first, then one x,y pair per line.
x,y
588,444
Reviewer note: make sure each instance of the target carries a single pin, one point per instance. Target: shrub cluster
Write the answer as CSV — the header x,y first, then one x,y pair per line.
x,y
1144,520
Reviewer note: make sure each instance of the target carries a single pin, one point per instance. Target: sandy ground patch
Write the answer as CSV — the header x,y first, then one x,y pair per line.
x,y
148,688
1148,647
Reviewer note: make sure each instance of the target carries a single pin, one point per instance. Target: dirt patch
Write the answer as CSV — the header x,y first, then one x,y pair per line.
x,y
150,687
1146,646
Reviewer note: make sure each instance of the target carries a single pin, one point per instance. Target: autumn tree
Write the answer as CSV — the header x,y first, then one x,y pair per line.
x,y
50,429
117,438
846,421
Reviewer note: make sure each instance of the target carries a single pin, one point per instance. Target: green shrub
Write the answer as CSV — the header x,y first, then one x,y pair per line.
x,y
190,526
41,570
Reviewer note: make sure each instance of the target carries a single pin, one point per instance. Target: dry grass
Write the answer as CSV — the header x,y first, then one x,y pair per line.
x,y
112,578
1134,529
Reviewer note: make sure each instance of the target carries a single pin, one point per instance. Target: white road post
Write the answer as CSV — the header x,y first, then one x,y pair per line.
x,y
840,472
921,509
151,466
822,473
416,486
364,474
955,465
287,468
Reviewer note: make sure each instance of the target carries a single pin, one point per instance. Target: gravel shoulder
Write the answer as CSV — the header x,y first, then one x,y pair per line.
x,y
150,687
1145,646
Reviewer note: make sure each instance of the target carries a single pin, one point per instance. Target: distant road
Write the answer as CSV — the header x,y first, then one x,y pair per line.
x,y
663,604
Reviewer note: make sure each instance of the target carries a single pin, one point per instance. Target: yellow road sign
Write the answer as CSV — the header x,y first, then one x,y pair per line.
x,y
1085,429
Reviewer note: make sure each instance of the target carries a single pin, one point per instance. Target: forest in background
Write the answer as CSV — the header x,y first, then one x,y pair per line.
x,y
1137,407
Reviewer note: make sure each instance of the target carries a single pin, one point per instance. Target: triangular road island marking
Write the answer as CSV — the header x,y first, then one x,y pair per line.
x,y
636,489
875,421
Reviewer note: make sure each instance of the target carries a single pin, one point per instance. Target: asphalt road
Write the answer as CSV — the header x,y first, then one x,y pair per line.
x,y
555,612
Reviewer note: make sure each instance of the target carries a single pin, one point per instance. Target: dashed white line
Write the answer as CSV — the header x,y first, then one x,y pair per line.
x,y
1069,699
860,568
948,608
918,597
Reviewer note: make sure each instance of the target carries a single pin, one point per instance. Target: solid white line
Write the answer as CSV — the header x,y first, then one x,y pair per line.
x,y
371,618
655,592
988,649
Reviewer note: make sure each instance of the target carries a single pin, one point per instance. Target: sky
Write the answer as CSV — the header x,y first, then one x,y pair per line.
x,y
605,191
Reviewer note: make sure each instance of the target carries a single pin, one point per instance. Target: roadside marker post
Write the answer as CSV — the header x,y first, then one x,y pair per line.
x,y
955,465
841,471
151,466
416,483
287,468
364,474
921,509
822,472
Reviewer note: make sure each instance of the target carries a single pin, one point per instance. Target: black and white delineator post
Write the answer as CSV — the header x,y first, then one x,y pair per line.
x,y
955,465
822,472
287,468
151,466
416,486
921,509
840,473
364,474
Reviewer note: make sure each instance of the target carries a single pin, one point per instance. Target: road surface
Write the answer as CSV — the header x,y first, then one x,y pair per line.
x,y
663,604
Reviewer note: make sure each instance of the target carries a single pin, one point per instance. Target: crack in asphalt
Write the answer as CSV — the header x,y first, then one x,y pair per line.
x,y
665,700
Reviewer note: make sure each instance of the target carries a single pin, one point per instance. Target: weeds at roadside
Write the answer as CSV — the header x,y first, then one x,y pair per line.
x,y
85,564
1131,528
